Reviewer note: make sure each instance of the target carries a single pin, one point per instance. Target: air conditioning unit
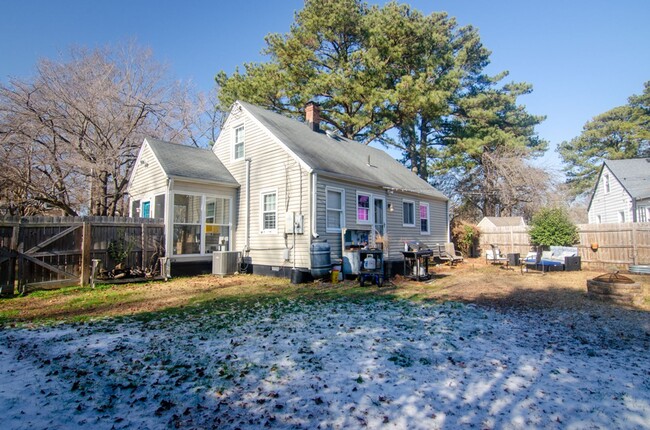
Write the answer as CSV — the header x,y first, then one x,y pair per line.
x,y
225,262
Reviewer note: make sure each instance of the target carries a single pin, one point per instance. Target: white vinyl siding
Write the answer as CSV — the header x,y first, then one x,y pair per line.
x,y
609,205
271,167
395,234
149,180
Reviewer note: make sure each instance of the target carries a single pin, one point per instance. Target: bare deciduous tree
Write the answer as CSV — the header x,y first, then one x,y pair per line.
x,y
505,185
71,134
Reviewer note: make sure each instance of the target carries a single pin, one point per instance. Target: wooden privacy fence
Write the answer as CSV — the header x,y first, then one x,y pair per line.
x,y
50,252
618,245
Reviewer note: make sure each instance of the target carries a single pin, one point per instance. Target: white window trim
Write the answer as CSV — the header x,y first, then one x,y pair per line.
x,y
428,231
234,142
341,214
369,221
277,200
621,216
413,203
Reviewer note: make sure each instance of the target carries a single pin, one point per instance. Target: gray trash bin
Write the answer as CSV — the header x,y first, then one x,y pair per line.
x,y
513,259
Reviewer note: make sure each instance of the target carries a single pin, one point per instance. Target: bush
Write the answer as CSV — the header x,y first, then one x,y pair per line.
x,y
465,237
553,226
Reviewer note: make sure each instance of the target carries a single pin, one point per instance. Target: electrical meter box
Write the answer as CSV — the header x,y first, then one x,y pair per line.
x,y
294,223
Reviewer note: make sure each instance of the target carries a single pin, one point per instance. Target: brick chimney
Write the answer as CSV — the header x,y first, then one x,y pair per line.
x,y
312,115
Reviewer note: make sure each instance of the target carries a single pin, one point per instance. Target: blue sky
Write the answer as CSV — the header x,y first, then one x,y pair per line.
x,y
583,57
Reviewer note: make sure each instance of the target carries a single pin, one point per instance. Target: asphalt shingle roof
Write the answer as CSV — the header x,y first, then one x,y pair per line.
x,y
182,161
634,174
341,157
506,221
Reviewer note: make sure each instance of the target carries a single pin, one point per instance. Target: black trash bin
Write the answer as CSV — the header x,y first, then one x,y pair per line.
x,y
513,259
572,264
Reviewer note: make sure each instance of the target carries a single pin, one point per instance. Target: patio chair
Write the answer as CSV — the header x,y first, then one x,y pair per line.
x,y
448,253
533,259
495,256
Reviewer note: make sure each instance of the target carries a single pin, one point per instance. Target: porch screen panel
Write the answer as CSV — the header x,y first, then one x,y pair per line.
x,y
187,224
217,224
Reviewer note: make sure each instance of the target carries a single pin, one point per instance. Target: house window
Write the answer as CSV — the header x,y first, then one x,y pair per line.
x,y
159,206
187,224
424,218
642,214
621,216
334,214
238,148
408,210
135,208
606,179
217,224
269,212
363,208
600,219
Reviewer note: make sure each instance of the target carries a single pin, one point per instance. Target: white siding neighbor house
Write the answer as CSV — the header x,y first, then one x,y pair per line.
x,y
622,192
272,186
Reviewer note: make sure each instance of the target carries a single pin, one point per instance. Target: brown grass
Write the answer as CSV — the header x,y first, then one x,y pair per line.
x,y
470,282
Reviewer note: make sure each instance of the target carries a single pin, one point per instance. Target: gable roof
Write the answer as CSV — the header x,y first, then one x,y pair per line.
x,y
188,162
340,157
504,221
633,174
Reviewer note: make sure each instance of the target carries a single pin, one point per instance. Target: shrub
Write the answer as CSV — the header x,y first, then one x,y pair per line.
x,y
553,226
465,237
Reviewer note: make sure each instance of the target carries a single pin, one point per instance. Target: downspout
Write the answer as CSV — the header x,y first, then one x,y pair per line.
x,y
247,245
169,218
312,195
448,232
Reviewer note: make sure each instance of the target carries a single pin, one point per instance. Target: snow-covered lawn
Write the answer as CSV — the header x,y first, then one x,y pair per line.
x,y
374,363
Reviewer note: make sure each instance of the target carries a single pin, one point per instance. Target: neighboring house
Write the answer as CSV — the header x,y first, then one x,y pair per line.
x,y
493,222
272,186
622,192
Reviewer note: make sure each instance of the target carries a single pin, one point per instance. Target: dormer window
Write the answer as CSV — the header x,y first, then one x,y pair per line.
x,y
238,145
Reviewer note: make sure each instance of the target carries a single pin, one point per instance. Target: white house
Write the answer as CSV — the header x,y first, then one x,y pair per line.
x,y
622,192
271,186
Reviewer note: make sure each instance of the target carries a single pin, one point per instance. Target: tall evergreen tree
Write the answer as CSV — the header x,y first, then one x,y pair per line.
x,y
380,69
620,133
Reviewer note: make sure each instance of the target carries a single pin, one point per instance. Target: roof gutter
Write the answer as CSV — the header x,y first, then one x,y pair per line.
x,y
204,181
360,181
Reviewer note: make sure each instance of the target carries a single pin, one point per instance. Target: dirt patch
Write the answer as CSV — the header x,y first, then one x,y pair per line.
x,y
477,282
471,282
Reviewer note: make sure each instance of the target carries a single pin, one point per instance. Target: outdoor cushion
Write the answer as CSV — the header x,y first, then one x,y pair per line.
x,y
544,262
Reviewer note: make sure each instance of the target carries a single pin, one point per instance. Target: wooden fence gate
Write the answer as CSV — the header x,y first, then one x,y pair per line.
x,y
50,252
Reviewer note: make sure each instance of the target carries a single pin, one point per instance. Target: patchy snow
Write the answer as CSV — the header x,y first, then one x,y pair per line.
x,y
297,364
